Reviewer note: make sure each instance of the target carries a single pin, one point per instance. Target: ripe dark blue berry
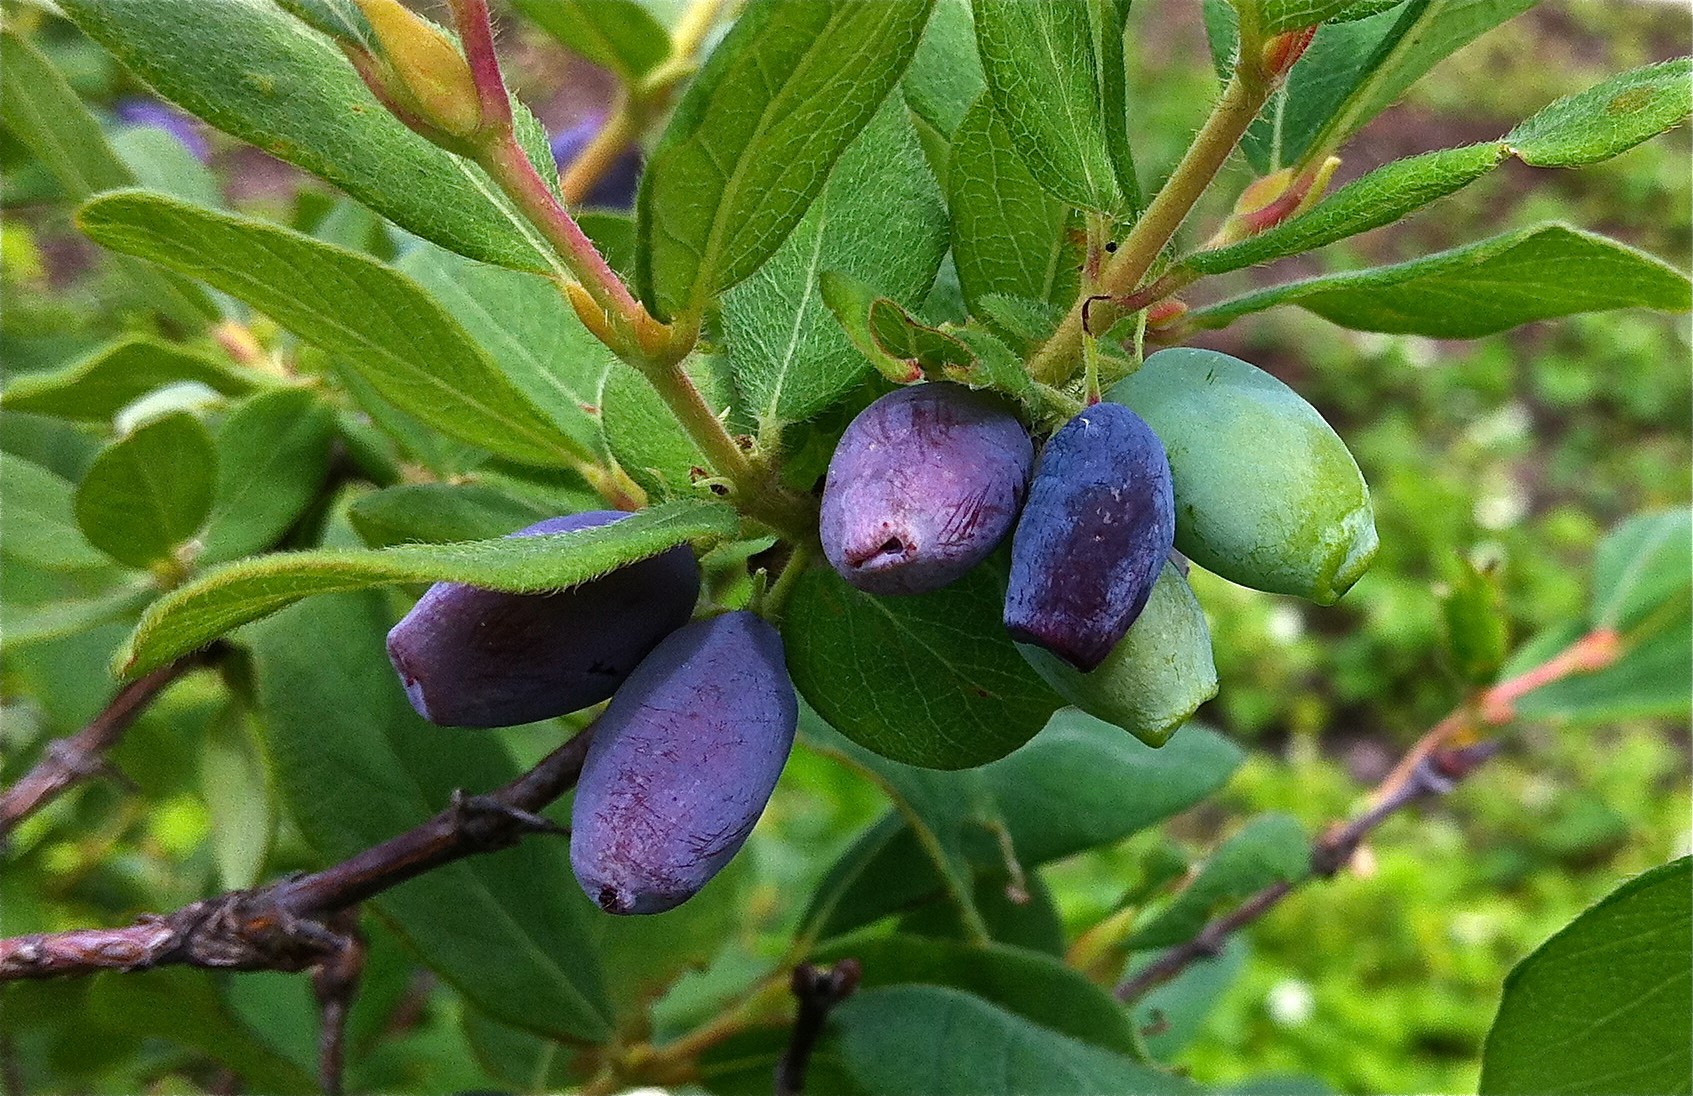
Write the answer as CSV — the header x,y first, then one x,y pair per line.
x,y
1097,527
924,484
470,657
682,764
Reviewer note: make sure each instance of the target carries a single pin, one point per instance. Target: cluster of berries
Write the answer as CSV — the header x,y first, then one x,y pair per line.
x,y
686,755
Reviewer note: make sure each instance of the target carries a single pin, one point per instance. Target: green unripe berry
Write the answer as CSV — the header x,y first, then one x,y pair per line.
x,y
1267,494
1155,677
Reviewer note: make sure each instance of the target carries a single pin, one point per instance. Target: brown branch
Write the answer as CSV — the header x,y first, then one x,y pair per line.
x,y
1433,766
818,992
290,924
67,762
1436,774
335,982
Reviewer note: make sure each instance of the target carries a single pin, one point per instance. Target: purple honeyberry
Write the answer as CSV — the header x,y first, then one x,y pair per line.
x,y
1099,523
615,189
470,657
924,484
136,110
682,764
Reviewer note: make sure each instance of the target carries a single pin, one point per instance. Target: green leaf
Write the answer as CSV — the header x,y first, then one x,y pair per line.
x,y
1380,198
1019,913
1008,235
193,615
184,1009
886,1041
1603,1006
1044,83
1111,786
1271,848
1276,16
941,810
1607,119
356,766
39,108
241,807
103,383
272,457
150,491
160,161
1037,987
1352,70
756,134
929,680
1643,564
1475,624
880,219
38,522
1109,19
1480,289
524,325
1579,129
945,76
254,71
399,340
25,625
618,35
439,513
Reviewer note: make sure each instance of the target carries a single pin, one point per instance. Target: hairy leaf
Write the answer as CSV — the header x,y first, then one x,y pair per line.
x,y
100,385
880,219
380,322
1008,235
1532,274
254,71
193,615
1043,79
756,134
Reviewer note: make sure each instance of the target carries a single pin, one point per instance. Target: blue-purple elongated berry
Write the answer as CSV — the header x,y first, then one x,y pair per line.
x,y
616,188
1097,527
682,764
924,484
470,657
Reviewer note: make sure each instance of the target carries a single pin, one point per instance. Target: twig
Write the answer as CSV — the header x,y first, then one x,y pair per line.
x,y
67,762
290,924
818,992
1437,773
335,982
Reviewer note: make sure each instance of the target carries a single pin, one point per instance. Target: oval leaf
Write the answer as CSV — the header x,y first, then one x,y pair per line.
x,y
149,492
1603,1006
930,680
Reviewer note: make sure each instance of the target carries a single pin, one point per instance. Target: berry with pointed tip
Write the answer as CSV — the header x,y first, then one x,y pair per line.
x,y
1094,534
470,657
923,485
682,764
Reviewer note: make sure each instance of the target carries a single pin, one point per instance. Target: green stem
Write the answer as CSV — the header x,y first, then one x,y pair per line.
x,y
1239,105
776,598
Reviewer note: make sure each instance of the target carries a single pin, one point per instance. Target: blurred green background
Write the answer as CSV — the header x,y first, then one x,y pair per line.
x,y
1522,449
